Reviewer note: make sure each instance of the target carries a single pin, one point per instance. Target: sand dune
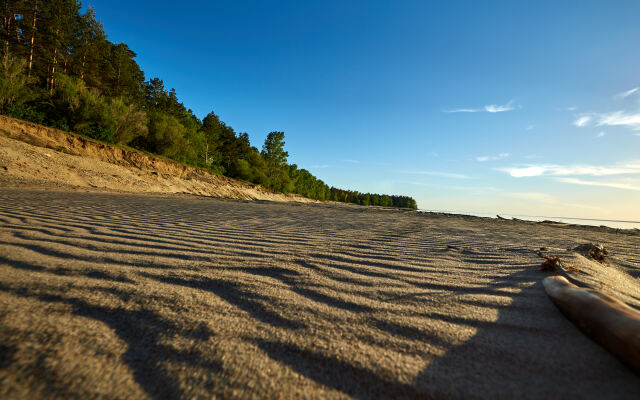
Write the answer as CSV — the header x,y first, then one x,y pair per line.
x,y
108,295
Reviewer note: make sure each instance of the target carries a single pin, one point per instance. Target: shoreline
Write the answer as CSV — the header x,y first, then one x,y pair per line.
x,y
538,220
623,224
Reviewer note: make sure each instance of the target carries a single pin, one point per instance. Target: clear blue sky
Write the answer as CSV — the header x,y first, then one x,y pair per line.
x,y
523,107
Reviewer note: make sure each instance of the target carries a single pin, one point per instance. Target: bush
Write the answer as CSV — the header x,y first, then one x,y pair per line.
x,y
26,112
13,81
128,122
99,132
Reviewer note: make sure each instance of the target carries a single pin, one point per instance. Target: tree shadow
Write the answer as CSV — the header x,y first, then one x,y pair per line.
x,y
289,278
142,330
529,351
76,257
61,271
366,261
8,352
342,279
352,380
252,303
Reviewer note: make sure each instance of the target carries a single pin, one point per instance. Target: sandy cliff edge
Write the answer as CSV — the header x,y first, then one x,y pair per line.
x,y
34,154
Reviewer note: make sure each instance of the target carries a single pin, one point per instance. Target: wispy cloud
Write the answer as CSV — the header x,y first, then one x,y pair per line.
x,y
601,134
620,118
351,161
539,197
616,185
573,170
614,118
490,108
582,121
529,127
437,173
494,108
493,158
628,93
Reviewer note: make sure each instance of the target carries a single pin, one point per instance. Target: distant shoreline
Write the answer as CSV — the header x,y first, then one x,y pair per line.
x,y
610,223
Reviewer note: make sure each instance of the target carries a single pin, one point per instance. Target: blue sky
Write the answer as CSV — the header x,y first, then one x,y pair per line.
x,y
502,107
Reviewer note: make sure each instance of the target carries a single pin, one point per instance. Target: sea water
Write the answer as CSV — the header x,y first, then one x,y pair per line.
x,y
620,224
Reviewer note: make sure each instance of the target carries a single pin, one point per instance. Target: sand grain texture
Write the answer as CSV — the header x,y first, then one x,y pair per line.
x,y
112,295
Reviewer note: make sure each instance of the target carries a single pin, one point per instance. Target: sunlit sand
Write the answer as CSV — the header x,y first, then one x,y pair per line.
x,y
108,295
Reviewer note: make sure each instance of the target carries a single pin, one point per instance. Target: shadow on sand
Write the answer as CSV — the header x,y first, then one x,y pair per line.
x,y
142,330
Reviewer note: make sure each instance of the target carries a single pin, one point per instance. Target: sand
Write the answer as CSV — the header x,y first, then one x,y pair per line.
x,y
111,295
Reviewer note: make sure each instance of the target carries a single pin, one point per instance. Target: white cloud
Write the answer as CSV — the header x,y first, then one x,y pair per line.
x,y
615,118
576,170
572,108
490,108
437,173
493,158
526,172
539,197
620,118
616,185
627,93
494,108
582,121
601,134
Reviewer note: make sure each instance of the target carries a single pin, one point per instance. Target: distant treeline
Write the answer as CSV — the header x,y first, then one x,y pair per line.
x,y
59,69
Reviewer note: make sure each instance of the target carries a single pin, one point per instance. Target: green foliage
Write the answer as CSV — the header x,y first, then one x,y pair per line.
x,y
82,109
276,157
58,68
273,149
166,134
129,122
13,81
27,112
98,132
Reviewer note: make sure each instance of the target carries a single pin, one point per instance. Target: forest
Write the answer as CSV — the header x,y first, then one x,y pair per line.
x,y
58,68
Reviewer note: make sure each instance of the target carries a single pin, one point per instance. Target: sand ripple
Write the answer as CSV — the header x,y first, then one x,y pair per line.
x,y
119,295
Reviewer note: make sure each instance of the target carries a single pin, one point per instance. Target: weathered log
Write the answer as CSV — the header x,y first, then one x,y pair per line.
x,y
608,321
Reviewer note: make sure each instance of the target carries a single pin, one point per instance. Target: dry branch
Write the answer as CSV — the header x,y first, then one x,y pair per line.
x,y
608,321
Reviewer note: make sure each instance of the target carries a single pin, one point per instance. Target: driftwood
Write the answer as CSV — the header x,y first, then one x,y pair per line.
x,y
608,321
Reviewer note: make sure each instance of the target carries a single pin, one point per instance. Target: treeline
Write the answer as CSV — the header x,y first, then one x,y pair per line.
x,y
59,69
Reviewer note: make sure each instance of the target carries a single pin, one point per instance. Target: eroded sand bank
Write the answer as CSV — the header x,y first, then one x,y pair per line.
x,y
132,296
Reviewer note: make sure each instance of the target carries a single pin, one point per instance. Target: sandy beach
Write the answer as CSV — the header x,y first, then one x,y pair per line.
x,y
116,295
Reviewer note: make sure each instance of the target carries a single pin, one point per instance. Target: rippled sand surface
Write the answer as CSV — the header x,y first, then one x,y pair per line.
x,y
139,296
